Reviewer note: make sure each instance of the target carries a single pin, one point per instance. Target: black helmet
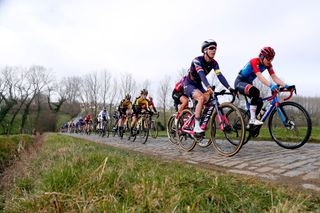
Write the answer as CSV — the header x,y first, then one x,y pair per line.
x,y
128,96
207,43
144,92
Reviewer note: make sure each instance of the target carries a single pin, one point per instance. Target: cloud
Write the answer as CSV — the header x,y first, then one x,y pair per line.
x,y
154,38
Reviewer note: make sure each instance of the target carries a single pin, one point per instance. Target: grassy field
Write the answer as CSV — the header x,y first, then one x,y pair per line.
x,y
79,176
10,146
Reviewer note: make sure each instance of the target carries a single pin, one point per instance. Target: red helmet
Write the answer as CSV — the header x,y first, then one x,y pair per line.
x,y
267,52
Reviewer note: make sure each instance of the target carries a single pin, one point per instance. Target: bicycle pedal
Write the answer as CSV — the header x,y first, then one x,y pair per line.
x,y
228,129
199,134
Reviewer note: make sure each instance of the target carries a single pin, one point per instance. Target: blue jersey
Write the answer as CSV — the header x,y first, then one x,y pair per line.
x,y
252,67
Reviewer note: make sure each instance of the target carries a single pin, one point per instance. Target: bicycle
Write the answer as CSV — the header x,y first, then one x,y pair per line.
x,y
290,127
232,127
89,128
171,130
153,128
104,130
142,129
125,128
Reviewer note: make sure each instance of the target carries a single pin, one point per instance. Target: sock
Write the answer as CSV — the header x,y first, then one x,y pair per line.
x,y
197,122
253,109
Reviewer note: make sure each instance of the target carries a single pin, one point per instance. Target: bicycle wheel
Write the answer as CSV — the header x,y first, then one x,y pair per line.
x,y
107,128
145,130
246,117
233,130
297,129
153,129
171,130
121,132
186,140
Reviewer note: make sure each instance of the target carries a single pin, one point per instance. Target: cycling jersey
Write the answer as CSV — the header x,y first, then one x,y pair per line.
x,y
252,67
125,104
103,115
200,68
152,104
88,118
179,85
197,74
142,103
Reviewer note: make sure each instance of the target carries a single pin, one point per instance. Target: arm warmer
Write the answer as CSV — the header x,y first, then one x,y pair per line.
x,y
203,78
223,81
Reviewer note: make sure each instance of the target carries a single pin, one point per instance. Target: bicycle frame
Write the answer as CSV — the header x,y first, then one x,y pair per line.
x,y
222,119
274,103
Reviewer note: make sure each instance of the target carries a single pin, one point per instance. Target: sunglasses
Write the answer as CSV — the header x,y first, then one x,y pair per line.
x,y
212,48
269,59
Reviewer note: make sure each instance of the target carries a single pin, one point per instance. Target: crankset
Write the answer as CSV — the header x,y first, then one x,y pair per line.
x,y
254,130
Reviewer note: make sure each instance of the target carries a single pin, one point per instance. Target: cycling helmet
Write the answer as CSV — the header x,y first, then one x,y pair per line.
x,y
128,96
144,92
267,52
207,43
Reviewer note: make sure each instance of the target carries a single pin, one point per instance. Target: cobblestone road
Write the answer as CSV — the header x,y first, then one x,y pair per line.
x,y
266,160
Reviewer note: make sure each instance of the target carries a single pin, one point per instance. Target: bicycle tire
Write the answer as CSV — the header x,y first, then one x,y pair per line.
x,y
294,120
246,117
107,129
226,148
153,129
145,130
184,115
121,132
171,130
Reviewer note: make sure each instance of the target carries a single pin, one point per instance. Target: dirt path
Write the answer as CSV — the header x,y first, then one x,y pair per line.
x,y
19,167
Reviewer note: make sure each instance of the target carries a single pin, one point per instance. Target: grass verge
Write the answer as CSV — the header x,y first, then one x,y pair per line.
x,y
10,146
75,175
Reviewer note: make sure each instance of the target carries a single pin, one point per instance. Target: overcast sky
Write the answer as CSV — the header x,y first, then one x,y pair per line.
x,y
154,38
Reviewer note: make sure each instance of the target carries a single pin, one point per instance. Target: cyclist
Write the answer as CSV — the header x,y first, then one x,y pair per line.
x,y
179,97
80,123
200,67
103,116
115,120
87,120
124,108
250,72
140,103
153,107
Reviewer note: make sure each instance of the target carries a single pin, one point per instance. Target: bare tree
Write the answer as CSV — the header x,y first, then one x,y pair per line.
x,y
164,91
91,91
128,84
146,84
105,79
24,91
8,93
60,91
38,77
73,88
113,95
